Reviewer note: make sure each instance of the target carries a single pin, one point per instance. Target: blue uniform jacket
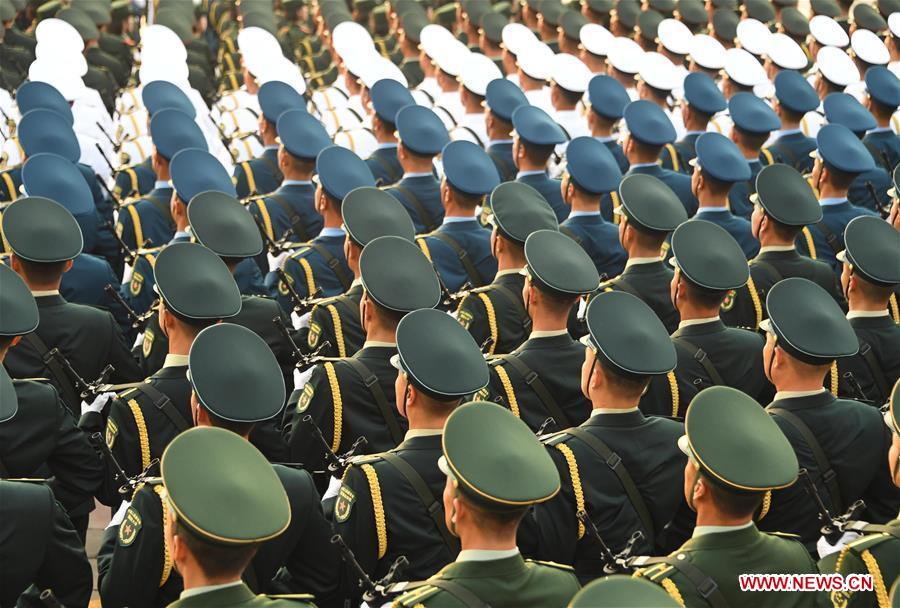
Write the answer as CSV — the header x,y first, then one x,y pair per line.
x,y
279,212
836,217
617,153
737,227
869,190
550,190
144,220
685,150
427,190
385,166
135,180
308,271
600,239
501,154
86,282
474,239
679,183
739,195
259,175
885,144
793,149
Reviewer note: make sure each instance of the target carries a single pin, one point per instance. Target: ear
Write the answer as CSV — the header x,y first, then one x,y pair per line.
x,y
68,266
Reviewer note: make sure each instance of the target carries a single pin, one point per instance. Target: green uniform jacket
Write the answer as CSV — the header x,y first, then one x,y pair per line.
x,y
336,321
40,546
242,597
511,582
723,556
496,312
877,554
650,282
882,335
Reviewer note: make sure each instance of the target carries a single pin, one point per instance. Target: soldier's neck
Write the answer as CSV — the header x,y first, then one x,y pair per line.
x,y
707,516
711,199
828,190
858,302
300,176
475,539
688,311
376,332
544,320
636,250
582,202
749,152
528,83
794,380
608,400
696,122
508,261
179,342
768,238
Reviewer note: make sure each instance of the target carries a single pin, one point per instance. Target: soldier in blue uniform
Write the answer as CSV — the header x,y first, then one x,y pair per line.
x,y
649,130
841,157
794,98
387,97
320,265
608,99
460,248
883,88
422,136
704,100
719,165
591,172
136,180
501,99
535,139
753,121
289,213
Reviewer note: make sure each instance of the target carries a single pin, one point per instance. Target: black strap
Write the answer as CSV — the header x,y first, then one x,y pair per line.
x,y
294,218
826,473
540,389
786,151
769,268
276,172
370,380
447,112
472,133
463,256
569,233
63,381
865,351
469,599
433,506
830,237
625,286
703,359
162,207
165,405
4,472
516,302
505,169
704,584
426,218
333,264
387,168
879,156
614,462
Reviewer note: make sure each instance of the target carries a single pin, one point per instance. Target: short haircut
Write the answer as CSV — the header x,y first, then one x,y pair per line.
x,y
239,428
840,179
717,186
536,153
216,561
391,317
469,201
623,383
734,504
707,298
42,272
557,301
571,97
753,140
493,521
645,149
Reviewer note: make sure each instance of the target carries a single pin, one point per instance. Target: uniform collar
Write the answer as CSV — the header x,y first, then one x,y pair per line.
x,y
599,411
296,182
583,214
711,210
417,174
777,248
547,334
828,202
332,232
413,433
377,344
522,174
783,132
690,322
642,165
43,294
605,139
503,273
209,588
797,394
485,555
175,361
160,185
388,145
499,142
704,530
866,314
457,220
881,130
639,261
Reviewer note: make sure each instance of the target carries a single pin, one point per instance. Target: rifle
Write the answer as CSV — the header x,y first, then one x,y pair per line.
x,y
544,425
130,256
301,305
272,246
857,389
373,591
487,344
335,463
86,390
48,599
621,562
302,361
448,297
832,527
138,321
129,484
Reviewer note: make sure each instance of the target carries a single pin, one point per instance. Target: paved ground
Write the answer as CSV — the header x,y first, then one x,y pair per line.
x,y
99,518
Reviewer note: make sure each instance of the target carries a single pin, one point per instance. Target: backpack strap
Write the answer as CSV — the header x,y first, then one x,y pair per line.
x,y
462,255
614,462
333,264
162,402
533,380
370,381
705,586
826,472
63,381
703,359
674,156
433,506
294,218
625,286
424,216
471,132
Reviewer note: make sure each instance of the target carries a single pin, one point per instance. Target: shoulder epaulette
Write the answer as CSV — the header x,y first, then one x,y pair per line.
x,y
291,596
303,250
131,392
364,459
785,535
554,438
556,565
868,541
26,479
43,380
411,598
483,288
657,572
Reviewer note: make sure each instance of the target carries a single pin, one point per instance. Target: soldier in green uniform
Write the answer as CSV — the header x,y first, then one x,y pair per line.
x,y
495,469
495,314
871,274
196,291
649,211
541,378
368,214
619,591
236,384
354,396
877,551
726,489
94,55
40,433
224,501
621,468
44,239
438,365
784,204
843,444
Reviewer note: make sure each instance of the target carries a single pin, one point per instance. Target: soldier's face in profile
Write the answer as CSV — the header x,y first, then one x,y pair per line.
x,y
587,369
894,458
846,273
756,221
894,215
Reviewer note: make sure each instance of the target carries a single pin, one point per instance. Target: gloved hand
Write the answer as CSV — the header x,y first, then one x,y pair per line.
x,y
120,515
97,404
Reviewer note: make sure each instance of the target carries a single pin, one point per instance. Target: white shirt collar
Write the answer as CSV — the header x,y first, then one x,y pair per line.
x,y
332,232
356,281
454,219
827,202
777,248
175,360
702,209
377,344
608,410
485,555
48,292
422,433
531,172
547,334
388,145
637,261
418,174
690,322
863,314
583,213
503,273
702,530
161,184
207,589
604,138
494,142
796,394
296,182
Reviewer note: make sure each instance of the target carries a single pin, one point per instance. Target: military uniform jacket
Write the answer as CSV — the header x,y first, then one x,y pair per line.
x,y
746,307
288,212
549,189
40,546
85,283
617,152
855,441
739,195
650,282
421,196
147,222
511,582
240,596
869,189
722,556
336,321
557,362
882,142
677,156
99,58
42,440
473,240
136,180
344,409
600,239
812,241
259,175
135,564
793,148
736,226
308,271
384,165
381,515
874,553
877,370
497,313
649,452
679,183
501,154
89,338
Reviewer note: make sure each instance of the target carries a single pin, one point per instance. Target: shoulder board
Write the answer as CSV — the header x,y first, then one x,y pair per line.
x,y
482,289
304,249
869,541
785,535
556,565
43,380
554,438
152,481
414,597
658,571
609,283
364,459
149,250
131,392
26,479
291,596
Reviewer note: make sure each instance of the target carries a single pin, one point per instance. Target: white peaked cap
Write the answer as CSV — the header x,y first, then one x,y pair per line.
x,y
753,35
625,55
659,72
570,73
350,37
158,39
707,52
536,61
59,33
675,36
868,46
433,37
828,32
744,68
383,69
358,63
786,53
69,60
452,55
594,38
894,23
284,71
68,83
176,73
478,72
514,37
836,66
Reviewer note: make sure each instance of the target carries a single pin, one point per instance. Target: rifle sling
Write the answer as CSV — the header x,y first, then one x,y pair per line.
x,y
516,302
706,587
469,599
165,405
534,381
433,506
63,381
294,218
830,237
370,380
333,264
878,375
162,207
462,255
703,359
424,216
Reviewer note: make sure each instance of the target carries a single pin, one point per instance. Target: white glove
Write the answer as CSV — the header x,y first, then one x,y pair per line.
x,y
825,548
97,404
119,516
301,378
300,322
127,274
275,261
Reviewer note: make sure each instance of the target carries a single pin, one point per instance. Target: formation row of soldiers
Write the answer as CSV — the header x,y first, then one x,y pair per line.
x,y
594,396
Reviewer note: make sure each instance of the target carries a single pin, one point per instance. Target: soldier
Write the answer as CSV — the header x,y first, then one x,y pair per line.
x,y
95,56
501,99
718,166
704,100
44,239
320,264
753,120
438,365
626,346
460,248
607,100
840,158
846,460
474,77
591,173
368,214
236,384
495,469
422,136
136,180
352,397
619,591
726,489
794,98
207,544
648,213
387,97
495,314
539,378
883,90
535,136
869,278
568,84
783,205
